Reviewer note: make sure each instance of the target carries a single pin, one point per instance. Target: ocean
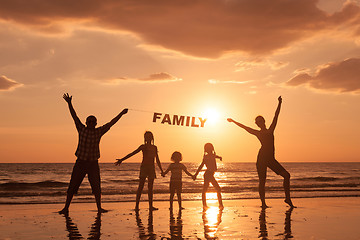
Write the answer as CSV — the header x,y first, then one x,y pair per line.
x,y
36,183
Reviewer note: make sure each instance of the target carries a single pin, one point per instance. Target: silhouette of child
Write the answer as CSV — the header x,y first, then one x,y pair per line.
x,y
176,169
147,168
209,160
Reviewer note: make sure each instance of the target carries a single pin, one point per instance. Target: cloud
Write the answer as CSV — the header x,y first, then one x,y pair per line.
x,y
341,76
161,77
86,54
215,81
248,64
8,84
194,27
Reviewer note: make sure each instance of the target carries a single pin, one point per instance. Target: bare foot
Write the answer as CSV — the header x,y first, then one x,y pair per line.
x,y
101,210
64,211
288,201
221,207
153,209
205,207
264,206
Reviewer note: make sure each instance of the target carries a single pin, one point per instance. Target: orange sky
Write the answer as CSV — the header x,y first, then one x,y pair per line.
x,y
180,57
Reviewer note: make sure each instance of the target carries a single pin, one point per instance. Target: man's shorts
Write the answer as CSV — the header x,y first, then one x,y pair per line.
x,y
81,168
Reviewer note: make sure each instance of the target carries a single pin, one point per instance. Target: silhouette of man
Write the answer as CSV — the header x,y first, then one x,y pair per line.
x,y
87,153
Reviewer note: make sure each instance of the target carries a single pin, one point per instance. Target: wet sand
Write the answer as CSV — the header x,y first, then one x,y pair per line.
x,y
314,218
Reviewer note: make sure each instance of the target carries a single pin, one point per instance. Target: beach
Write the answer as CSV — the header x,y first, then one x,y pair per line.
x,y
314,218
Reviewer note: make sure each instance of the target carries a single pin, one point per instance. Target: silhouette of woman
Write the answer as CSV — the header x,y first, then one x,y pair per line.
x,y
266,156
209,160
147,169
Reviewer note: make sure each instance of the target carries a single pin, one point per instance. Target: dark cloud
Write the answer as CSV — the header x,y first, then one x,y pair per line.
x,y
8,84
205,28
341,76
33,59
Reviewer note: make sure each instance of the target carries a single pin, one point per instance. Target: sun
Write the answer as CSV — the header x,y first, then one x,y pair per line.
x,y
212,116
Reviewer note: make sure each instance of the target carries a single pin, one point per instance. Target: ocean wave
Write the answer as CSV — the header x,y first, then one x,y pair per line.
x,y
124,181
163,198
44,188
22,194
319,179
23,183
325,179
26,185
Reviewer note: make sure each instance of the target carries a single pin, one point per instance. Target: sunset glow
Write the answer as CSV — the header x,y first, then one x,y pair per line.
x,y
173,119
219,59
212,116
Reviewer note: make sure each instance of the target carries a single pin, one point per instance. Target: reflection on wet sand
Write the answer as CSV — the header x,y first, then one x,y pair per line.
x,y
287,229
262,223
287,225
176,226
143,232
73,230
212,219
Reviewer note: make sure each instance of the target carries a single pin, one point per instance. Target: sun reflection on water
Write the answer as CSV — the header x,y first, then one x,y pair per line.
x,y
212,219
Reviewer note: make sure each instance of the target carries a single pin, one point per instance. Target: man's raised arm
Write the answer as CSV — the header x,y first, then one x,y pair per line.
x,y
68,99
115,119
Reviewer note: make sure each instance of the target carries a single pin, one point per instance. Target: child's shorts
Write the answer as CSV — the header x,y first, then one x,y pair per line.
x,y
177,185
147,171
